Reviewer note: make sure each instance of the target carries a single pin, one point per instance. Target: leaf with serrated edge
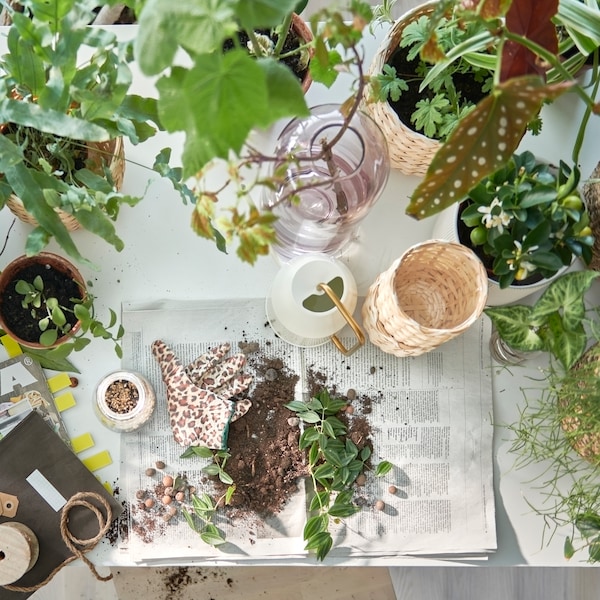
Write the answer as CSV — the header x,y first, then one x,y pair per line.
x,y
482,142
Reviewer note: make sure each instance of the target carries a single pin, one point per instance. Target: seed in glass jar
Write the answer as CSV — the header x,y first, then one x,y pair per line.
x,y
150,472
122,396
160,464
379,505
149,503
167,481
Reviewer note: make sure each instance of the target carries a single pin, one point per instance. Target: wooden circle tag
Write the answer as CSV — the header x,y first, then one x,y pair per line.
x,y
19,550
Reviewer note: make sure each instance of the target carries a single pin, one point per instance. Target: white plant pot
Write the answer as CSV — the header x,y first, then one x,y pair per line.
x,y
446,228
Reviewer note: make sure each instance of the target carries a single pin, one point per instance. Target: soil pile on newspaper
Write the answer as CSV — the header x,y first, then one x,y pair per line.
x,y
266,462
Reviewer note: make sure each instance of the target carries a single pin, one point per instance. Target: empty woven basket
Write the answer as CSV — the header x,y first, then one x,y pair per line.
x,y
410,152
99,154
434,292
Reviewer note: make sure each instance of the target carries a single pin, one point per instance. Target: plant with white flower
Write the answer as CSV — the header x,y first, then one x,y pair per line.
x,y
527,220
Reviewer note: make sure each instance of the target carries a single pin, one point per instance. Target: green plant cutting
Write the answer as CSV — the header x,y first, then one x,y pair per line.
x,y
334,463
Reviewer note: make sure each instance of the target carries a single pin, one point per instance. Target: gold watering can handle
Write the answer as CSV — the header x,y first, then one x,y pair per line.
x,y
360,336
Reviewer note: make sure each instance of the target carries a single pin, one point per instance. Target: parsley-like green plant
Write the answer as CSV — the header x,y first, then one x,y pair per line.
x,y
201,514
334,463
442,103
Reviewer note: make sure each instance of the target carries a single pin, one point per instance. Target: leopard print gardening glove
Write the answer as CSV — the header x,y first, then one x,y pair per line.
x,y
199,395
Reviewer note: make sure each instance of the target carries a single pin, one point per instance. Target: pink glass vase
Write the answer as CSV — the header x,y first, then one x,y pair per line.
x,y
329,186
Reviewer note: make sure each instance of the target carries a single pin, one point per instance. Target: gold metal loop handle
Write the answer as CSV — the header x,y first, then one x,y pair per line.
x,y
360,336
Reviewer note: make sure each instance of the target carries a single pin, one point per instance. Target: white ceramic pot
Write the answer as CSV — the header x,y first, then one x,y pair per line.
x,y
446,228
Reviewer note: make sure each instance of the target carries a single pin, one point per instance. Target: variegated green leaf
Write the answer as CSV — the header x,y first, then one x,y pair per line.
x,y
481,143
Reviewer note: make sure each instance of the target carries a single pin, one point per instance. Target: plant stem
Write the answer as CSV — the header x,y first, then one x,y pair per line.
x,y
285,28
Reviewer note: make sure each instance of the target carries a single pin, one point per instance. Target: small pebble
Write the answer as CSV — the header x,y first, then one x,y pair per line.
x,y
379,505
150,472
293,421
167,517
172,510
167,481
392,489
160,464
361,479
179,496
350,409
169,491
351,394
167,499
372,370
271,374
149,503
140,494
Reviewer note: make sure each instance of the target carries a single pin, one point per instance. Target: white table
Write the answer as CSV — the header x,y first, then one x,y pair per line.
x,y
163,258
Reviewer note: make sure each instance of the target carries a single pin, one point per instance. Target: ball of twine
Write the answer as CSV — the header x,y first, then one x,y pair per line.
x,y
78,547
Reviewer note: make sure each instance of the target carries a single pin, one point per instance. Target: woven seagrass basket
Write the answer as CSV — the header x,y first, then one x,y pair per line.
x,y
591,196
434,292
579,399
410,152
99,153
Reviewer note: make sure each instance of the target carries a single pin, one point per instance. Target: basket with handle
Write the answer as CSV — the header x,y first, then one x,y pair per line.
x,y
434,292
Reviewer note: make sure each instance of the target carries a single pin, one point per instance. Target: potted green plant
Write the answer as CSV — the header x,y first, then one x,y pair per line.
x,y
527,222
417,103
485,139
46,307
65,107
556,323
204,94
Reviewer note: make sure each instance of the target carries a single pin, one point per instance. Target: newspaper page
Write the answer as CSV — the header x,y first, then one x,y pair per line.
x,y
431,416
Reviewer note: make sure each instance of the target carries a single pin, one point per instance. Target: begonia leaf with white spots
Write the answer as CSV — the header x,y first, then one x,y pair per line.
x,y
481,143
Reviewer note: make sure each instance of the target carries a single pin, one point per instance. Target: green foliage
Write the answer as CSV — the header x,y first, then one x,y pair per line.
x,y
484,140
201,514
53,323
442,106
63,85
554,324
528,217
558,429
334,463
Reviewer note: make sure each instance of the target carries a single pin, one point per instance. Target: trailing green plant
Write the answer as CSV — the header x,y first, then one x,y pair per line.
x,y
442,105
334,463
526,34
528,218
558,433
203,95
64,89
53,322
556,323
200,515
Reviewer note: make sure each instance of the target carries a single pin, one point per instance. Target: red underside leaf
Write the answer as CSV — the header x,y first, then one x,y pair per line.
x,y
532,20
481,143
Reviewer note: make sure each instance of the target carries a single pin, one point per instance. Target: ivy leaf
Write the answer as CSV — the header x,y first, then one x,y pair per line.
x,y
481,143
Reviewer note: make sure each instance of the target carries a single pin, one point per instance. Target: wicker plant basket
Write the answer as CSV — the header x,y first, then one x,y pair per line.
x,y
98,152
431,294
410,152
582,425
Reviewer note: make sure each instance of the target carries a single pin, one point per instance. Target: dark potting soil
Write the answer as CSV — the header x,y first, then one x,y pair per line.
x,y
291,44
404,107
56,285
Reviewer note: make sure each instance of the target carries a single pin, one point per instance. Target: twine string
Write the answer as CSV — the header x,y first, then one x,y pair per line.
x,y
78,547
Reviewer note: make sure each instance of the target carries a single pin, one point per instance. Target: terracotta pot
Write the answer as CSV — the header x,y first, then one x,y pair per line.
x,y
302,30
11,272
